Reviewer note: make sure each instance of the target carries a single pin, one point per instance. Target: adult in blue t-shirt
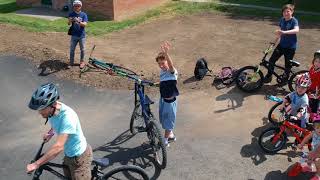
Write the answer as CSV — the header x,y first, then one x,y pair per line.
x,y
70,139
78,21
287,34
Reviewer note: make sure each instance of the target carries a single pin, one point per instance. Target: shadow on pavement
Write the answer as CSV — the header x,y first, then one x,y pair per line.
x,y
51,66
235,96
278,175
140,155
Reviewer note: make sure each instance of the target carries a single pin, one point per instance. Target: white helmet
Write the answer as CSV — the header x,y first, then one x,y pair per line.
x,y
77,2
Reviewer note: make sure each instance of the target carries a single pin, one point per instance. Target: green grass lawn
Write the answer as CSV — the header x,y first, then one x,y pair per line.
x,y
7,7
304,5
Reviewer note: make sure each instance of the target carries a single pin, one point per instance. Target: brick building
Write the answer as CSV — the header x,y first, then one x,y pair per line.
x,y
102,9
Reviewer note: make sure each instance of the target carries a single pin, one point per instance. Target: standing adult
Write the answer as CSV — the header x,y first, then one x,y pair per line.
x,y
78,21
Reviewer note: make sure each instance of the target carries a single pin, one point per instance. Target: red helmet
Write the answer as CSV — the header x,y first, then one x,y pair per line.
x,y
304,80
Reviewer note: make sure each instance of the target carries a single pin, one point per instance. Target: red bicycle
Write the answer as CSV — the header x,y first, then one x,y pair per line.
x,y
273,139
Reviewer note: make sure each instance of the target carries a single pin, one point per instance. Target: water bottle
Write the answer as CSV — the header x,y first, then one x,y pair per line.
x,y
274,98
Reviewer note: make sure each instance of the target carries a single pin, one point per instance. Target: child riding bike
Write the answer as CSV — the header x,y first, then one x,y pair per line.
x,y
313,91
298,101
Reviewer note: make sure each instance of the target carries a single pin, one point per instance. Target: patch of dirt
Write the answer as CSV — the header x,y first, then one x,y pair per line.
x,y
222,40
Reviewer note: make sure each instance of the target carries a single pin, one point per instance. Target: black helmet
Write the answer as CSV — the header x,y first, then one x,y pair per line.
x,y
44,96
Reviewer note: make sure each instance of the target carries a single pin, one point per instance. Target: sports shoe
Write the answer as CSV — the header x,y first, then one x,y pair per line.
x,y
166,142
172,139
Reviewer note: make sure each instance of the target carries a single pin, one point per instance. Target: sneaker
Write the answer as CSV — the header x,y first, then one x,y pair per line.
x,y
267,79
172,139
166,142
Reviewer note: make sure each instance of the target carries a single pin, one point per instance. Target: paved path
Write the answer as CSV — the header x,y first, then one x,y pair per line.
x,y
212,143
43,13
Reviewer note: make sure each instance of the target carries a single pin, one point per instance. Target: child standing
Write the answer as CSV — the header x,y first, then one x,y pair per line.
x,y
287,35
315,83
168,93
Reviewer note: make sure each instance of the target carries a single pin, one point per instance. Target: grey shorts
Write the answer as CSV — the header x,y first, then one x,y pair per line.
x,y
167,114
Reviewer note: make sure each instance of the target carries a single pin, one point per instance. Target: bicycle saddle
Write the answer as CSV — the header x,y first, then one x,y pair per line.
x,y
294,63
103,162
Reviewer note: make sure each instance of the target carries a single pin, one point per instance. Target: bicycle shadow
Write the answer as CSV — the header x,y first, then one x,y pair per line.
x,y
236,97
141,156
256,154
51,66
252,150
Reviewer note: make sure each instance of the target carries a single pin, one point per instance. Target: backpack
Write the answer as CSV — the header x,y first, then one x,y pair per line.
x,y
225,77
201,69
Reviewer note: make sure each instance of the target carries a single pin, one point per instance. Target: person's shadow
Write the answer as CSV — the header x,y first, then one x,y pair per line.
x,y
51,66
141,156
235,96
278,175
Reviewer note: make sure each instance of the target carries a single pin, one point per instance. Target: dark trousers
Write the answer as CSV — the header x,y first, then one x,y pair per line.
x,y
288,54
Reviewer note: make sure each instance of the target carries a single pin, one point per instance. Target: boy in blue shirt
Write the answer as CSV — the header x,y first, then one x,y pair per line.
x,y
168,93
287,34
70,139
78,21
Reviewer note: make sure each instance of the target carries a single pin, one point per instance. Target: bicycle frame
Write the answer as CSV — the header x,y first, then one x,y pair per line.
x,y
144,101
289,125
47,167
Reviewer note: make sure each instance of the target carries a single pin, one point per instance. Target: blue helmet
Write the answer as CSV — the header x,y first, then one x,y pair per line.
x,y
44,96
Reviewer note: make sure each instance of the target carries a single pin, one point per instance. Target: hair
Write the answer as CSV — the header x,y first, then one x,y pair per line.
x,y
160,57
288,6
314,59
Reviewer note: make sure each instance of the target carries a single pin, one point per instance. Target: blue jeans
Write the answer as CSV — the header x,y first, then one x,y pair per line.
x,y
167,114
73,43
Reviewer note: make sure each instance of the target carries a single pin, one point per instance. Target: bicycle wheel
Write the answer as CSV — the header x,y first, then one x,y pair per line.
x,y
267,140
157,144
274,115
249,79
293,79
126,172
137,123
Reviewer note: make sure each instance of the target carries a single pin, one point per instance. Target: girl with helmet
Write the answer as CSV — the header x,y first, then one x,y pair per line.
x,y
65,123
314,89
314,155
298,100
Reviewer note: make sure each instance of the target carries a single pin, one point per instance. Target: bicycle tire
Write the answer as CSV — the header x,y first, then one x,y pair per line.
x,y
137,121
115,68
124,70
125,170
272,114
242,76
275,147
157,143
292,80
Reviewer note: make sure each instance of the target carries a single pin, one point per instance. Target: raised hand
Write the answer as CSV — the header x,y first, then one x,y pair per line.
x,y
165,47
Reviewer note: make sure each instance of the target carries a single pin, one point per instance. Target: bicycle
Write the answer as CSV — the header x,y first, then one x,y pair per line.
x,y
275,115
250,78
122,172
142,108
273,139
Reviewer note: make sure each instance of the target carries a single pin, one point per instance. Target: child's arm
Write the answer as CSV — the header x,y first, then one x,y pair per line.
x,y
165,48
305,140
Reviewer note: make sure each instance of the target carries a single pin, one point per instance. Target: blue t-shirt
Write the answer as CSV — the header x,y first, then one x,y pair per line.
x,y
288,40
67,122
298,102
77,30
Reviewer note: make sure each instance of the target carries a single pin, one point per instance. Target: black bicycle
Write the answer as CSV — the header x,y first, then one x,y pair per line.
x,y
142,119
250,78
122,172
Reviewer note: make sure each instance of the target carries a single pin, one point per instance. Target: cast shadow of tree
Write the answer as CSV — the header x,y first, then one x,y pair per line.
x,y
51,66
141,156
